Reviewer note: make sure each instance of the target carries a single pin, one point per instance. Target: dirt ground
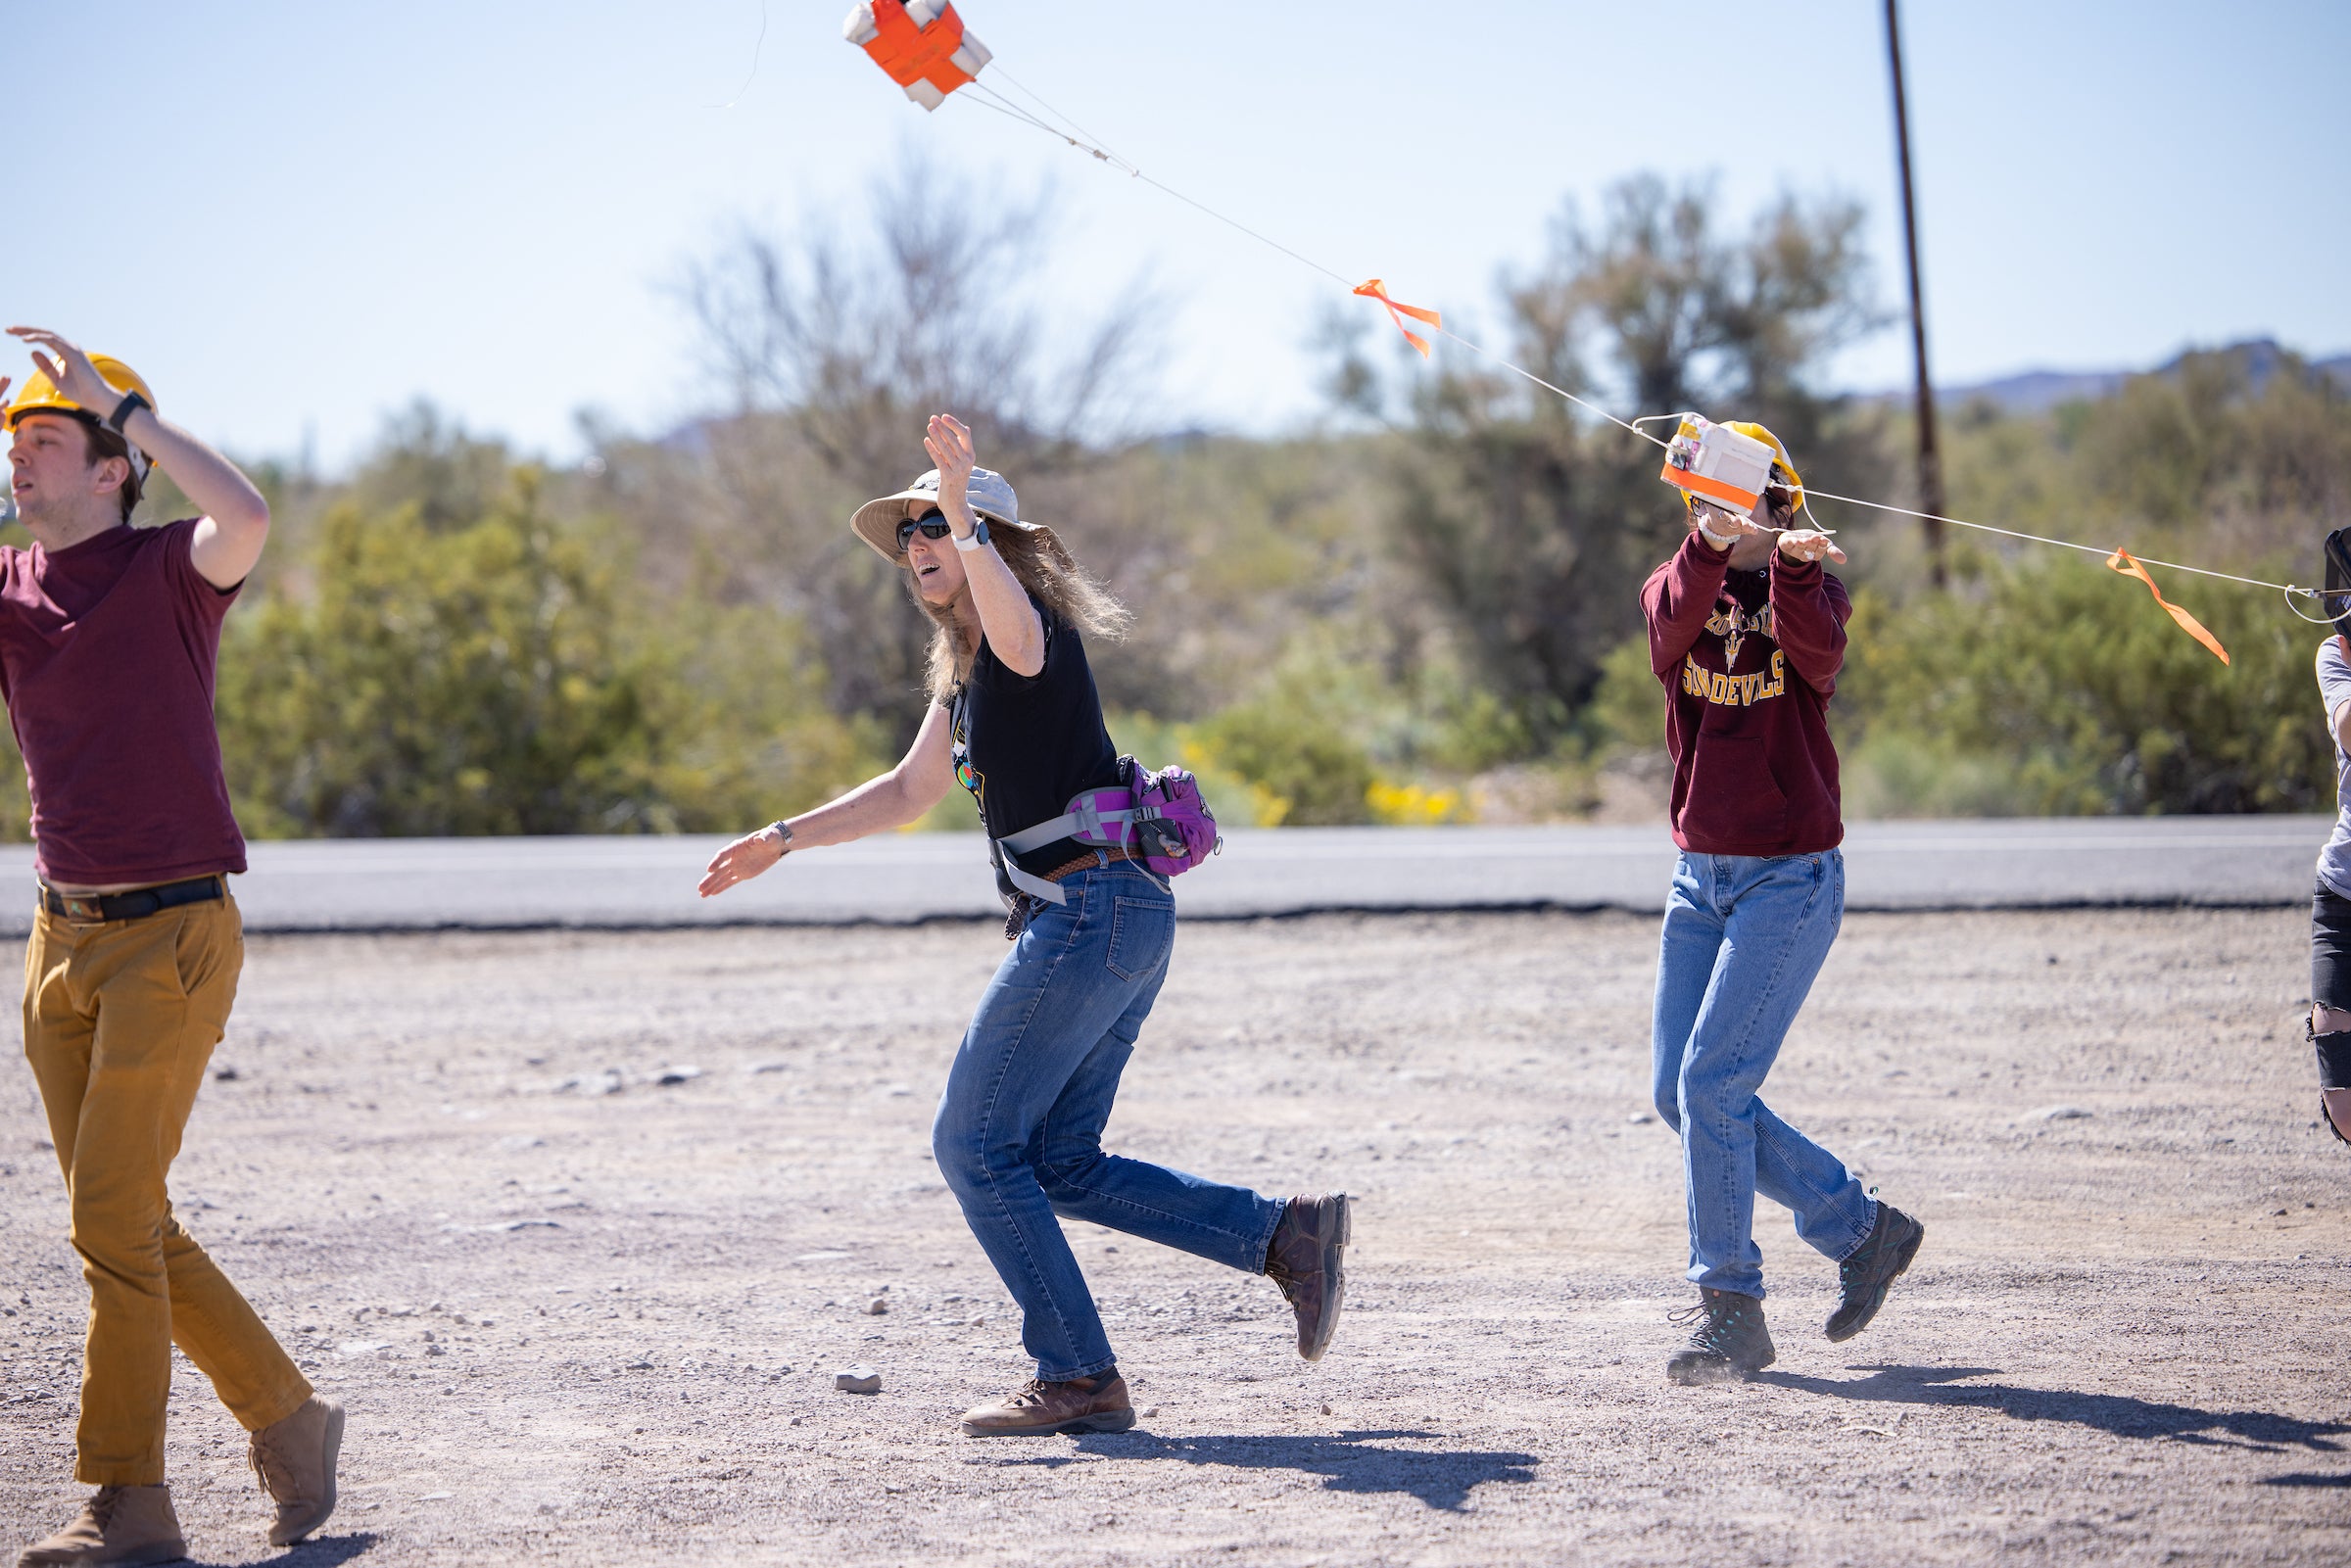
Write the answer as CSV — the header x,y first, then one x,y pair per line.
x,y
581,1226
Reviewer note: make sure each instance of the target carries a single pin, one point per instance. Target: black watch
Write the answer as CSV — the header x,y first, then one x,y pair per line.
x,y
132,404
781,829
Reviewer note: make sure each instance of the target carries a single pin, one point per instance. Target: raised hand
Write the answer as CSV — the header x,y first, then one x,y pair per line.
x,y
1809,545
949,444
71,370
740,861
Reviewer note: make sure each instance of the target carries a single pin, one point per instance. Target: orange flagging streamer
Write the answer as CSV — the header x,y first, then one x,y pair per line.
x,y
1377,290
912,54
2121,563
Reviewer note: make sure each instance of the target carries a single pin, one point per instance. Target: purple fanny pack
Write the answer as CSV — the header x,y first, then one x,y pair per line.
x,y
1159,817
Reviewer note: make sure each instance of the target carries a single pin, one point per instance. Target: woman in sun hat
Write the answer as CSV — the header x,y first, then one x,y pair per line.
x,y
2328,1027
1746,633
1015,720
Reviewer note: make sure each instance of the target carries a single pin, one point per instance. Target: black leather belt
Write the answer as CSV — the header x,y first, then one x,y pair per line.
x,y
132,905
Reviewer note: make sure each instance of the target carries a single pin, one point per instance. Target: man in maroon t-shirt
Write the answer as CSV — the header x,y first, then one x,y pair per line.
x,y
108,638
1746,633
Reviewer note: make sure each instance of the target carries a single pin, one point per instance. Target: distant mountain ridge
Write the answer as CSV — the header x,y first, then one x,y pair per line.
x,y
2033,392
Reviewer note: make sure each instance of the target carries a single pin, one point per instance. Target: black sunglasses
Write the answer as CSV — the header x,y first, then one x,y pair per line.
x,y
933,525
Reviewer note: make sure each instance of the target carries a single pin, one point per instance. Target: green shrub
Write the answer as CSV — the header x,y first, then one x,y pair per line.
x,y
2067,691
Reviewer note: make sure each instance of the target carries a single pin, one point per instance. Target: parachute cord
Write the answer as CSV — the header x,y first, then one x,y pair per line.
x,y
755,71
1495,358
1085,144
2321,596
1091,141
1012,111
1004,106
2288,589
1302,261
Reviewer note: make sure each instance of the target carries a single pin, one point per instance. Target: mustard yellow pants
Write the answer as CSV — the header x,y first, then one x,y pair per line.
x,y
120,1018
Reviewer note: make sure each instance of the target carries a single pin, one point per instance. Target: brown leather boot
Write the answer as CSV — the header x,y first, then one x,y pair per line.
x,y
1042,1408
115,1525
295,1460
1303,1258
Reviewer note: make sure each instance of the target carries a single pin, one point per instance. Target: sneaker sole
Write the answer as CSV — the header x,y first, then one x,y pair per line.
x,y
1334,1270
1878,1301
1107,1421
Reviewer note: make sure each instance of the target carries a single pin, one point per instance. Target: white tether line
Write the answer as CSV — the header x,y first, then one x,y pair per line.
x,y
1083,141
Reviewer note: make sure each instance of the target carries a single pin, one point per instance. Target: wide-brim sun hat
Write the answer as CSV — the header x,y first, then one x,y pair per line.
x,y
989,493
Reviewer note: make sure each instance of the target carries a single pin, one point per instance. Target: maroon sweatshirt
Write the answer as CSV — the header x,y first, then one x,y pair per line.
x,y
1749,660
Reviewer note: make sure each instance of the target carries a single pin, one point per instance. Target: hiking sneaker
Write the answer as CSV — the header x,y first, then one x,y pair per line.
x,y
1303,1258
115,1525
1087,1405
1869,1271
295,1461
1727,1342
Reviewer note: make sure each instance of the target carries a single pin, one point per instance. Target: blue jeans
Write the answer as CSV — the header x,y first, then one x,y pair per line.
x,y
1019,1133
1744,937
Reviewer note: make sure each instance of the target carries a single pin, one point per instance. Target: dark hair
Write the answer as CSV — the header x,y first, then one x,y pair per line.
x,y
103,444
1052,577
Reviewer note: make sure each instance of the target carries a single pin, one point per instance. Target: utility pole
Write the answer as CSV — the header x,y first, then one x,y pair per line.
x,y
1930,461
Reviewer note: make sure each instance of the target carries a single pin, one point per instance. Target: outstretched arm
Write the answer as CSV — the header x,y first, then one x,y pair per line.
x,y
1680,594
236,519
920,781
1808,612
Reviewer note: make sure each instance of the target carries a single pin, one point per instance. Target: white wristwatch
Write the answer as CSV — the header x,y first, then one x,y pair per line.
x,y
978,535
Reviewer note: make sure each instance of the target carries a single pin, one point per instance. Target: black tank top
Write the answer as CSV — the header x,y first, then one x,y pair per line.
x,y
1026,744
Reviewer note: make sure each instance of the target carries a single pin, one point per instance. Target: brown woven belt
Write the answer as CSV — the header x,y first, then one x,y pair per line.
x,y
1093,857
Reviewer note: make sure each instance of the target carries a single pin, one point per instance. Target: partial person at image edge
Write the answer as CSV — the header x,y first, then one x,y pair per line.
x,y
2329,1027
108,638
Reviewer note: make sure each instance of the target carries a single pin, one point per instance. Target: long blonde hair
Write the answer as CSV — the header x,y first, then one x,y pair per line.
x,y
1052,577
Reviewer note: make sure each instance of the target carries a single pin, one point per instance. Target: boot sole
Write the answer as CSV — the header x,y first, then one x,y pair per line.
x,y
1106,1421
1877,1303
142,1557
326,1506
1704,1373
1335,1273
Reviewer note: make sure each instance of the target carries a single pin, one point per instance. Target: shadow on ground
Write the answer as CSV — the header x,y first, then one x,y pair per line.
x,y
2118,1413
1347,1462
326,1551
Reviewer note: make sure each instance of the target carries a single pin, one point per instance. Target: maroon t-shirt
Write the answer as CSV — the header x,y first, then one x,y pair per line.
x,y
107,651
1749,661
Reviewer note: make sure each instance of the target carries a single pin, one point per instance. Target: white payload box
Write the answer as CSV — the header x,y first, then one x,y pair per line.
x,y
1716,463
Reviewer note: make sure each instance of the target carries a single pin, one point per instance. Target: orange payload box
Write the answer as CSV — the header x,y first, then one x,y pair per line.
x,y
1716,463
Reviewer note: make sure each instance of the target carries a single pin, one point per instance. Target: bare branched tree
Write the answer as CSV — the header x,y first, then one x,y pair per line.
x,y
835,343
1534,528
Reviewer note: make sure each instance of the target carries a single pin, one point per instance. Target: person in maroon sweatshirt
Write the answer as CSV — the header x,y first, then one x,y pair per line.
x,y
1746,633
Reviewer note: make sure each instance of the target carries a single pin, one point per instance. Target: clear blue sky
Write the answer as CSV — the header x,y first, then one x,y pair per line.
x,y
295,218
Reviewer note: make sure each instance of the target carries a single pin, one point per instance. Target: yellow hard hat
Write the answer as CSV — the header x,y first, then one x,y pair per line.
x,y
40,395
